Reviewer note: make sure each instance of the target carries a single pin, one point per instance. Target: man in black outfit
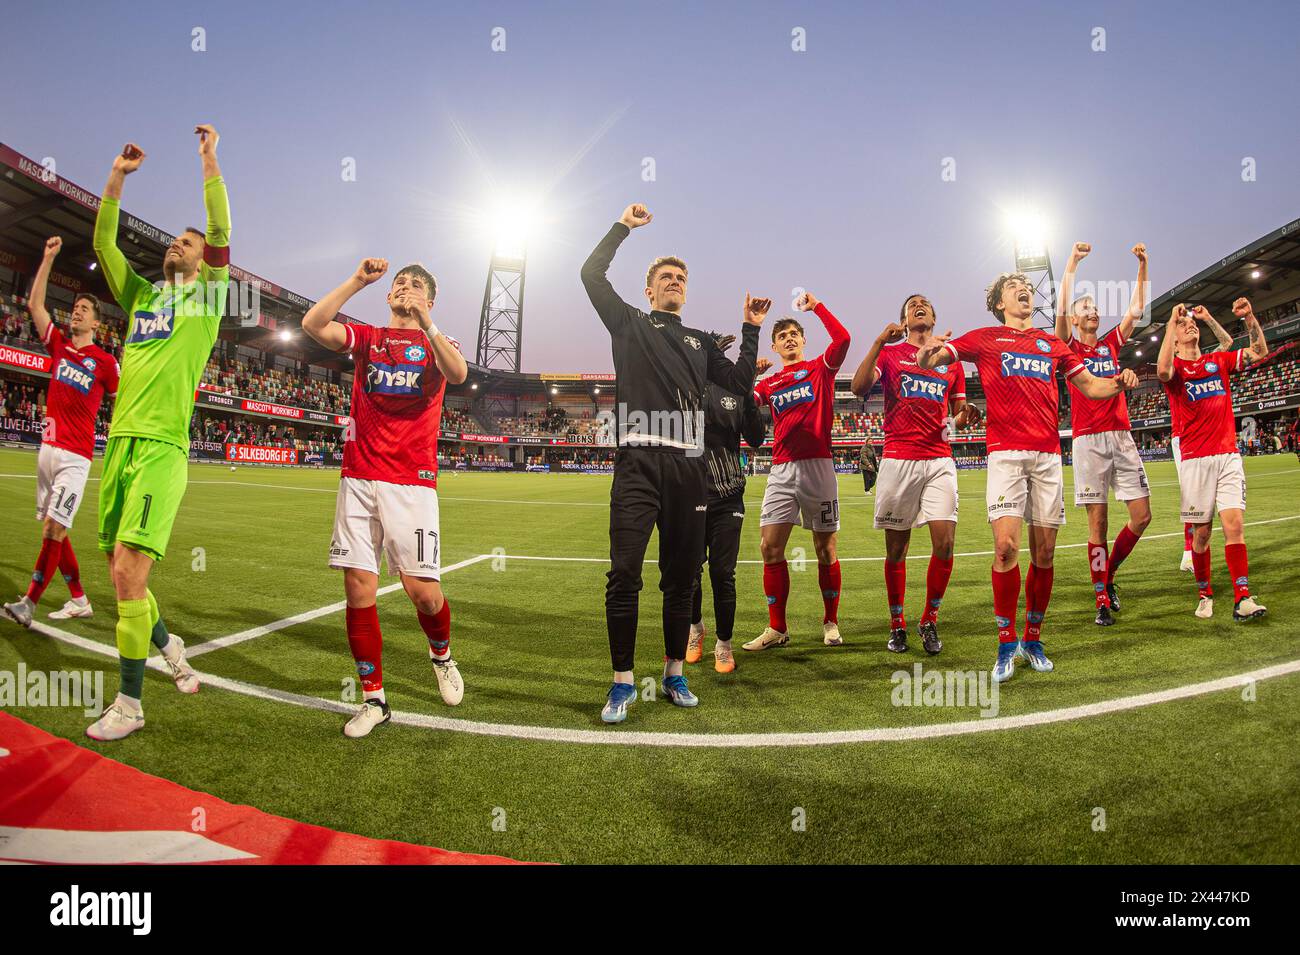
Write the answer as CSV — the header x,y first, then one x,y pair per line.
x,y
660,369
727,418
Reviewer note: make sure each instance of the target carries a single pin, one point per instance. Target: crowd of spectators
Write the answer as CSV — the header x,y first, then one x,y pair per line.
x,y
266,383
224,429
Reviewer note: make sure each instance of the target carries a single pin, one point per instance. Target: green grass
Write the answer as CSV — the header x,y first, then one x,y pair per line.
x,y
1210,779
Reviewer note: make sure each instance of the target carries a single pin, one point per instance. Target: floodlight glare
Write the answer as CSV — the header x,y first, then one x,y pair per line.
x,y
284,335
512,225
1254,274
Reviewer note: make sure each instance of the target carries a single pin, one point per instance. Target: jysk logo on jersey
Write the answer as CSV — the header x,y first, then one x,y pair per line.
x,y
75,376
1199,388
151,326
1020,365
922,386
414,353
1101,367
786,398
404,380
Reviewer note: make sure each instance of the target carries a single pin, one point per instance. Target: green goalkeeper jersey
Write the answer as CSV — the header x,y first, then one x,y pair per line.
x,y
170,329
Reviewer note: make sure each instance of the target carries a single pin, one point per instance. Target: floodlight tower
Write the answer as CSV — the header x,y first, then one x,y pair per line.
x,y
501,322
1032,259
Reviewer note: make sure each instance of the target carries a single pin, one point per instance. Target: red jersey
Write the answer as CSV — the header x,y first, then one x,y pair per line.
x,y
396,406
802,398
1089,416
1018,370
1200,404
79,379
917,401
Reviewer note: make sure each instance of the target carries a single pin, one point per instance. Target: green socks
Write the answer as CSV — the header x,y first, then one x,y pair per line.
x,y
133,634
159,636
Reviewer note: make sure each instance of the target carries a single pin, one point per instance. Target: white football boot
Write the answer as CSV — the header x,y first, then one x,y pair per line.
x,y
183,675
1248,608
768,638
831,634
78,608
1186,564
1205,609
20,611
369,715
121,719
450,685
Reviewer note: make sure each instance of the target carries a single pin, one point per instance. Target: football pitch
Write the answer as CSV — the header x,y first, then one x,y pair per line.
x,y
1162,739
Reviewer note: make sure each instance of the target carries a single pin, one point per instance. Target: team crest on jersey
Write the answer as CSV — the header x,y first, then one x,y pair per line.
x,y
1103,351
1043,346
942,369
89,364
729,403
75,376
692,341
1199,388
801,374
151,326
1211,367
1020,365
923,386
414,353
796,394
403,380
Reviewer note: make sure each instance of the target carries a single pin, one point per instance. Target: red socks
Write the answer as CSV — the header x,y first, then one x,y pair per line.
x,y
1006,598
1201,569
828,579
69,569
46,564
438,629
367,645
1187,537
936,583
895,588
1098,562
1038,591
1124,545
1238,569
776,584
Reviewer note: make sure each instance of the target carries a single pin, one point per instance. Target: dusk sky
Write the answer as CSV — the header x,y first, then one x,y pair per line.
x,y
774,168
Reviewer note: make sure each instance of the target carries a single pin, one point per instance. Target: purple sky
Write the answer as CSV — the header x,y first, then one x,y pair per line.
x,y
775,169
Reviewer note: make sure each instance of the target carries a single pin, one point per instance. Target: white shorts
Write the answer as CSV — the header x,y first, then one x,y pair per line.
x,y
1210,484
399,521
802,492
913,493
1108,460
1175,447
1028,485
60,483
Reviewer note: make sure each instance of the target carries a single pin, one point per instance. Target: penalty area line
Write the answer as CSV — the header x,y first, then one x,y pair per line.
x,y
620,737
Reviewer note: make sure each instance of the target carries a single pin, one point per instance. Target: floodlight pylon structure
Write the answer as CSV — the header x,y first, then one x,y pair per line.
x,y
501,322
1032,259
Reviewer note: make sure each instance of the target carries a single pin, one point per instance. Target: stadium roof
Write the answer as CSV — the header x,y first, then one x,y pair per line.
x,y
1276,257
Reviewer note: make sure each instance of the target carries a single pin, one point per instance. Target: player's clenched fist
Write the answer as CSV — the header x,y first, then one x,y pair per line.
x,y
1128,379
1080,251
636,215
756,309
208,137
807,302
1140,250
370,270
762,366
893,332
1242,309
52,246
129,160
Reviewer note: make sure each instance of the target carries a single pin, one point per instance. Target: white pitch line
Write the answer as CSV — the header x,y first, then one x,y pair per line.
x,y
260,631
620,737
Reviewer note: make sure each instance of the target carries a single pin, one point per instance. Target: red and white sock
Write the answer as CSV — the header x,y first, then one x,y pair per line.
x,y
70,570
828,579
47,562
1038,593
895,590
437,628
367,645
936,585
1124,545
776,585
1098,562
1006,599
1238,570
1201,571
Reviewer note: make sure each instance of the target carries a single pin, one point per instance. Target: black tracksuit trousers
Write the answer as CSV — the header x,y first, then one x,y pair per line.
x,y
654,488
723,521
